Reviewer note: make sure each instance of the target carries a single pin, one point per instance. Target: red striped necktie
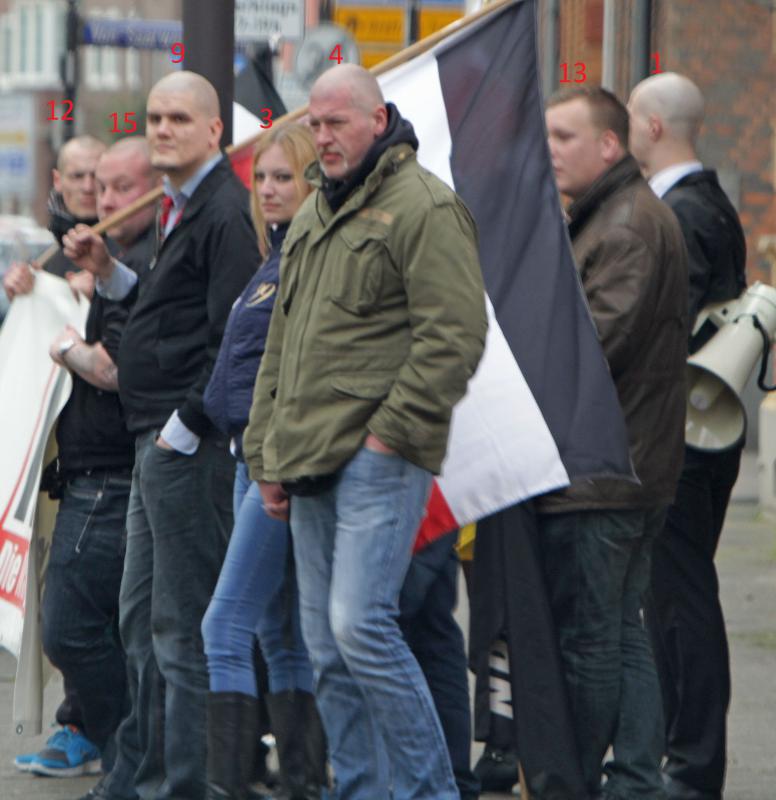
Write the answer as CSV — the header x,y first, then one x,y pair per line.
x,y
164,217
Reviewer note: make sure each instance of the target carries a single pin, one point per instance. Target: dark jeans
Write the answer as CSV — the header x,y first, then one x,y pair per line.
x,y
178,525
81,601
426,605
688,629
597,565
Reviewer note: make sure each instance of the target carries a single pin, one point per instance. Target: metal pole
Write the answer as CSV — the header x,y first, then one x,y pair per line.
x,y
69,69
550,52
208,42
641,37
609,73
413,22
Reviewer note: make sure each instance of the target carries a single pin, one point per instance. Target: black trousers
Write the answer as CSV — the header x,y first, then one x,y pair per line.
x,y
688,629
426,605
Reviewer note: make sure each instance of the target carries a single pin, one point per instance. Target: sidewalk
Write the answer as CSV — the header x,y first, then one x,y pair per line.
x,y
747,566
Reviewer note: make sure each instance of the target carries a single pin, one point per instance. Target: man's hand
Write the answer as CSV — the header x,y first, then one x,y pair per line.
x,y
20,279
275,500
82,282
373,443
163,444
87,250
69,333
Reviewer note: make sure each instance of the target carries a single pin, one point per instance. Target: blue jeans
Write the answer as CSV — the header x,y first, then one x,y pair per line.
x,y
597,565
80,606
353,545
178,526
256,595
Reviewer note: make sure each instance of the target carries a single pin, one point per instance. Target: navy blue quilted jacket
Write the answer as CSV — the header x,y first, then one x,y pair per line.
x,y
230,391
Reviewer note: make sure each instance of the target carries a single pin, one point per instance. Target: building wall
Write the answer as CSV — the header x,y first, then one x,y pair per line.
x,y
112,80
728,47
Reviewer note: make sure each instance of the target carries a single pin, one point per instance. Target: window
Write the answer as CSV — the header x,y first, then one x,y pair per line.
x,y
23,31
102,63
38,34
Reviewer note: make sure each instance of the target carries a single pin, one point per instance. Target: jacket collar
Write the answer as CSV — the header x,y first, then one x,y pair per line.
x,y
388,164
206,186
617,176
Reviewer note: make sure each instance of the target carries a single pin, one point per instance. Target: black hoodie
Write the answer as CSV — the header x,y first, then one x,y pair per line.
x,y
60,222
397,131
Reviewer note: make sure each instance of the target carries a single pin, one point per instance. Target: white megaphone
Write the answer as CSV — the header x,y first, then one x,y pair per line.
x,y
718,372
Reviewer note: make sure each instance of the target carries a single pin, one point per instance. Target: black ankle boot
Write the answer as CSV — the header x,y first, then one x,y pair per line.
x,y
314,741
232,730
497,769
299,755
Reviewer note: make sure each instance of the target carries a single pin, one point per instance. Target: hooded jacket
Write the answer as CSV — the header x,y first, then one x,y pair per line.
x,y
379,324
60,222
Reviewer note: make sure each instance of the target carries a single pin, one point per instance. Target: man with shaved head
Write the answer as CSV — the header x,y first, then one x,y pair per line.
x,y
72,200
91,477
686,620
382,322
179,516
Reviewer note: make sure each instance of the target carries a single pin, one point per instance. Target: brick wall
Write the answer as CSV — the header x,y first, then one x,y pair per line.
x,y
728,47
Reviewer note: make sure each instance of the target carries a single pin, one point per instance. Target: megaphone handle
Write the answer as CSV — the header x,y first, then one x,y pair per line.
x,y
766,351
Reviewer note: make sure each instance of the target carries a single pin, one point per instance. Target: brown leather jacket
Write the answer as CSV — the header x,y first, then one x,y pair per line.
x,y
632,261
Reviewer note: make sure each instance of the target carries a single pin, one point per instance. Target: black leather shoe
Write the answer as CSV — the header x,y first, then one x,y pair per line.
x,y
497,770
99,792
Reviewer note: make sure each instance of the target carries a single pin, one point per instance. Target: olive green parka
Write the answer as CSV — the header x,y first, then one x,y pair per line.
x,y
379,324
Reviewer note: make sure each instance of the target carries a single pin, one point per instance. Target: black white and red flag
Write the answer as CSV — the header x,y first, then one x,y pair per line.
x,y
542,408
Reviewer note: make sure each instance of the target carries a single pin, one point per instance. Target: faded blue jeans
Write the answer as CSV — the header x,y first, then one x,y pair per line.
x,y
597,565
255,595
353,545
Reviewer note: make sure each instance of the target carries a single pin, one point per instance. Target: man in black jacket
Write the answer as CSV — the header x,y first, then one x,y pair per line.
x,y
72,201
686,619
180,515
91,477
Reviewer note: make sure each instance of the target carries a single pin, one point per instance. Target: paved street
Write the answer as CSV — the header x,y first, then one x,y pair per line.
x,y
747,563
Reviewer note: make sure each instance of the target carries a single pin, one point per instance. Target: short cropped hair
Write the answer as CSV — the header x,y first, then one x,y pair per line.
x,y
606,111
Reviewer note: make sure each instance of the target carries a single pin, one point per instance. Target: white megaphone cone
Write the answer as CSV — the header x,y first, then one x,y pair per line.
x,y
718,372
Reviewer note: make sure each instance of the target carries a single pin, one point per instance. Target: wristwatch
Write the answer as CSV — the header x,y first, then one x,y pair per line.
x,y
65,345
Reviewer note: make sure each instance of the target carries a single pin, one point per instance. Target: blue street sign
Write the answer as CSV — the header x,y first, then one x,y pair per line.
x,y
140,34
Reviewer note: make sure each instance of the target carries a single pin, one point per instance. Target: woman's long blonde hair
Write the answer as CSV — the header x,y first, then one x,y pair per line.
x,y
296,142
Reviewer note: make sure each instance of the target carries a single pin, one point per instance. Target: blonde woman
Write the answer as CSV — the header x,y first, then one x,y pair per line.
x,y
256,593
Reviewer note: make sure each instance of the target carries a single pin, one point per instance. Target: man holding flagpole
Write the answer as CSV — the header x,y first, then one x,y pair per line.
x,y
380,324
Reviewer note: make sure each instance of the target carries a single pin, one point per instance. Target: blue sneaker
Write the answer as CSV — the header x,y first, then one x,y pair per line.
x,y
67,754
25,761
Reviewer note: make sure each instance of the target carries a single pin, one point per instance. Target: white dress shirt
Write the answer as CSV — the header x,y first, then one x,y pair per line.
x,y
664,180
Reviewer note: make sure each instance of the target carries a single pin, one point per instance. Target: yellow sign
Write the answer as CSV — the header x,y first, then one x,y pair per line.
x,y
434,19
13,137
374,55
375,25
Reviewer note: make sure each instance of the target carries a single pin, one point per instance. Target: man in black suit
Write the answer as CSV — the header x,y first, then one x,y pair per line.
x,y
686,620
180,515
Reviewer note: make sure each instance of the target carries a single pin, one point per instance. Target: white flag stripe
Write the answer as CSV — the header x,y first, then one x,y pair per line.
x,y
501,450
416,91
244,123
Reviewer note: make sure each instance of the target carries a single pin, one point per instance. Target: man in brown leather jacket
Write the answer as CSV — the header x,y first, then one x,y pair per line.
x,y
596,535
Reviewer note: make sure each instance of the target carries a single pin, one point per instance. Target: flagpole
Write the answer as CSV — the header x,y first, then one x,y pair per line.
x,y
396,60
